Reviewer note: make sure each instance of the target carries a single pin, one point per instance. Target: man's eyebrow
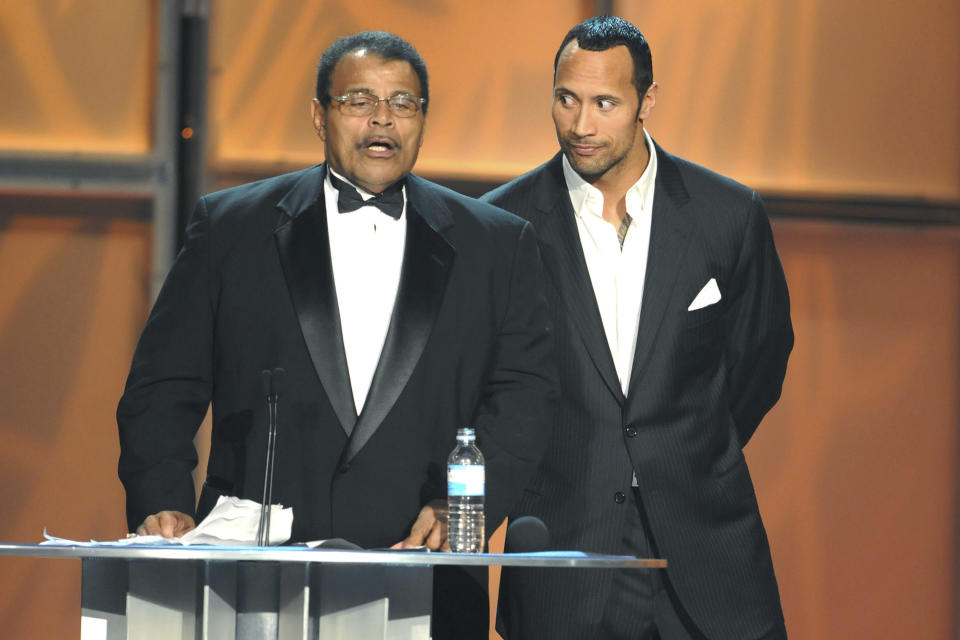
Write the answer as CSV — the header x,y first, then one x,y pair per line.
x,y
595,98
395,92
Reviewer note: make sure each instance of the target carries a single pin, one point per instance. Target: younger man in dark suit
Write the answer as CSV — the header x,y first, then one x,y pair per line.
x,y
673,330
400,311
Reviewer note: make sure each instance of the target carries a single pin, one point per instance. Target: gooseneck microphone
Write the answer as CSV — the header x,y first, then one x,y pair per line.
x,y
270,383
527,534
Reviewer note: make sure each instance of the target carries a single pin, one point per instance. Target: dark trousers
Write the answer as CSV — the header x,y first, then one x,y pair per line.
x,y
629,612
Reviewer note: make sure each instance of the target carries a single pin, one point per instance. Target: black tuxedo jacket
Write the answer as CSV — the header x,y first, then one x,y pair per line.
x,y
252,289
701,382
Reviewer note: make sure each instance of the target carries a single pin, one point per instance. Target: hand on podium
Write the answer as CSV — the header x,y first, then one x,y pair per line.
x,y
169,524
430,529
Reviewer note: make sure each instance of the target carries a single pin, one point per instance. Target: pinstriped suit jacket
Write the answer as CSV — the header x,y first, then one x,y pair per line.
x,y
701,382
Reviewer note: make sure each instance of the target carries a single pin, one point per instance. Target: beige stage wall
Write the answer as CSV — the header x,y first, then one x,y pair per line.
x,y
856,469
814,96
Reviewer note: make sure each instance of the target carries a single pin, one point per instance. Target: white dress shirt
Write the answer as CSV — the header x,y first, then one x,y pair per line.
x,y
617,274
366,251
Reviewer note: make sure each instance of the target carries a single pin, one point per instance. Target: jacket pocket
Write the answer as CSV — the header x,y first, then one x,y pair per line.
x,y
703,331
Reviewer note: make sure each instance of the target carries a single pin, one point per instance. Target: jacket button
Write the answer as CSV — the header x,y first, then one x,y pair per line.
x,y
618,497
631,432
344,468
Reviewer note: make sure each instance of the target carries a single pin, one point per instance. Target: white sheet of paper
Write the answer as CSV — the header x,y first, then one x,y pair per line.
x,y
232,522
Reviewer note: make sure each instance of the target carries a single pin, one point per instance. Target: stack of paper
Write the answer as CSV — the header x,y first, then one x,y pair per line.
x,y
232,522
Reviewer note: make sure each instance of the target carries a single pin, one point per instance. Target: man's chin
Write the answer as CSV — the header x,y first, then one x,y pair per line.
x,y
592,168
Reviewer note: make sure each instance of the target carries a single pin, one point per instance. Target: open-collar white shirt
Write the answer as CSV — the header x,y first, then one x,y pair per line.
x,y
617,274
366,252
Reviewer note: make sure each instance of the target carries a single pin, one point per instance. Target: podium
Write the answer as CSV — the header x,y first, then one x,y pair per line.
x,y
287,593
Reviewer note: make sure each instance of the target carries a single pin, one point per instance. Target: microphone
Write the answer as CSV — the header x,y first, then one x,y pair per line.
x,y
526,534
270,383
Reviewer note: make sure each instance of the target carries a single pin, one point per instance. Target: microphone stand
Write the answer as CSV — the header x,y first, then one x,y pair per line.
x,y
270,381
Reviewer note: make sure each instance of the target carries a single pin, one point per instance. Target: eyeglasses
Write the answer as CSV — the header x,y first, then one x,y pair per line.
x,y
360,103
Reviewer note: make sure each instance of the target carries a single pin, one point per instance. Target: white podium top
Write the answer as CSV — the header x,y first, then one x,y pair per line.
x,y
304,554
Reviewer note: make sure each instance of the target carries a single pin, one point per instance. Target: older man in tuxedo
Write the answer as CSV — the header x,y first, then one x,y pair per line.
x,y
673,330
400,311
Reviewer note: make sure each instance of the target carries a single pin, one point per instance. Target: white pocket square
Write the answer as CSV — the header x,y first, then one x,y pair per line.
x,y
710,294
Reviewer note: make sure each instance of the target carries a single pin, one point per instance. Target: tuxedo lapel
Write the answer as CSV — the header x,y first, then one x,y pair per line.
x,y
427,262
304,248
563,258
669,239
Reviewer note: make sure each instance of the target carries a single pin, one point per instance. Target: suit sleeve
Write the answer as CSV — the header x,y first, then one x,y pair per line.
x,y
761,334
515,418
169,386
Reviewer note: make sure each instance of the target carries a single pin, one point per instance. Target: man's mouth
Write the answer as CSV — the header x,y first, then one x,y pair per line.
x,y
583,149
379,144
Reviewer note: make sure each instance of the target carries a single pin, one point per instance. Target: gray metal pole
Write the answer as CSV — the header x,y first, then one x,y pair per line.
x,y
192,109
165,127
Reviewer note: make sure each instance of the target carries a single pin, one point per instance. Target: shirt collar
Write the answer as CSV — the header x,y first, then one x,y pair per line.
x,y
366,195
587,199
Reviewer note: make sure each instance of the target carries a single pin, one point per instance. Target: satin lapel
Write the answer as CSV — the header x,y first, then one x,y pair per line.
x,y
304,247
563,258
427,262
669,238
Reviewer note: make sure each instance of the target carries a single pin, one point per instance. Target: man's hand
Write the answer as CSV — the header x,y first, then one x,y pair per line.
x,y
430,529
169,524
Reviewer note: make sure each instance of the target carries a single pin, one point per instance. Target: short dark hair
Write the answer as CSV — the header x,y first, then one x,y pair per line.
x,y
605,32
381,43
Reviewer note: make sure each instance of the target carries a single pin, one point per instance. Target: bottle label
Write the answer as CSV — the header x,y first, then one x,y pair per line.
x,y
465,480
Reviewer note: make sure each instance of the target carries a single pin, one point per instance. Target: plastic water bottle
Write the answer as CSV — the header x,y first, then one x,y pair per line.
x,y
465,485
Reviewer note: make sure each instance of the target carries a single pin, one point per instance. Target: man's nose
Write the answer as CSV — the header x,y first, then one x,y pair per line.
x,y
583,123
382,116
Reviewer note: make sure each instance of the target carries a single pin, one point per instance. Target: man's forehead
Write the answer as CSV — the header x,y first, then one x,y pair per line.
x,y
615,61
361,66
594,72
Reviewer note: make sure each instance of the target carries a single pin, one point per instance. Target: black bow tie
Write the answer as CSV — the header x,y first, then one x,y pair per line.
x,y
390,200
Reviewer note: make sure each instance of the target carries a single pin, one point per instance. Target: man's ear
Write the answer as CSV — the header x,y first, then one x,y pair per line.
x,y
319,119
649,102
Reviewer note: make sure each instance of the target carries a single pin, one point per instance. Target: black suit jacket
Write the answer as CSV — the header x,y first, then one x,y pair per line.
x,y
701,382
252,289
